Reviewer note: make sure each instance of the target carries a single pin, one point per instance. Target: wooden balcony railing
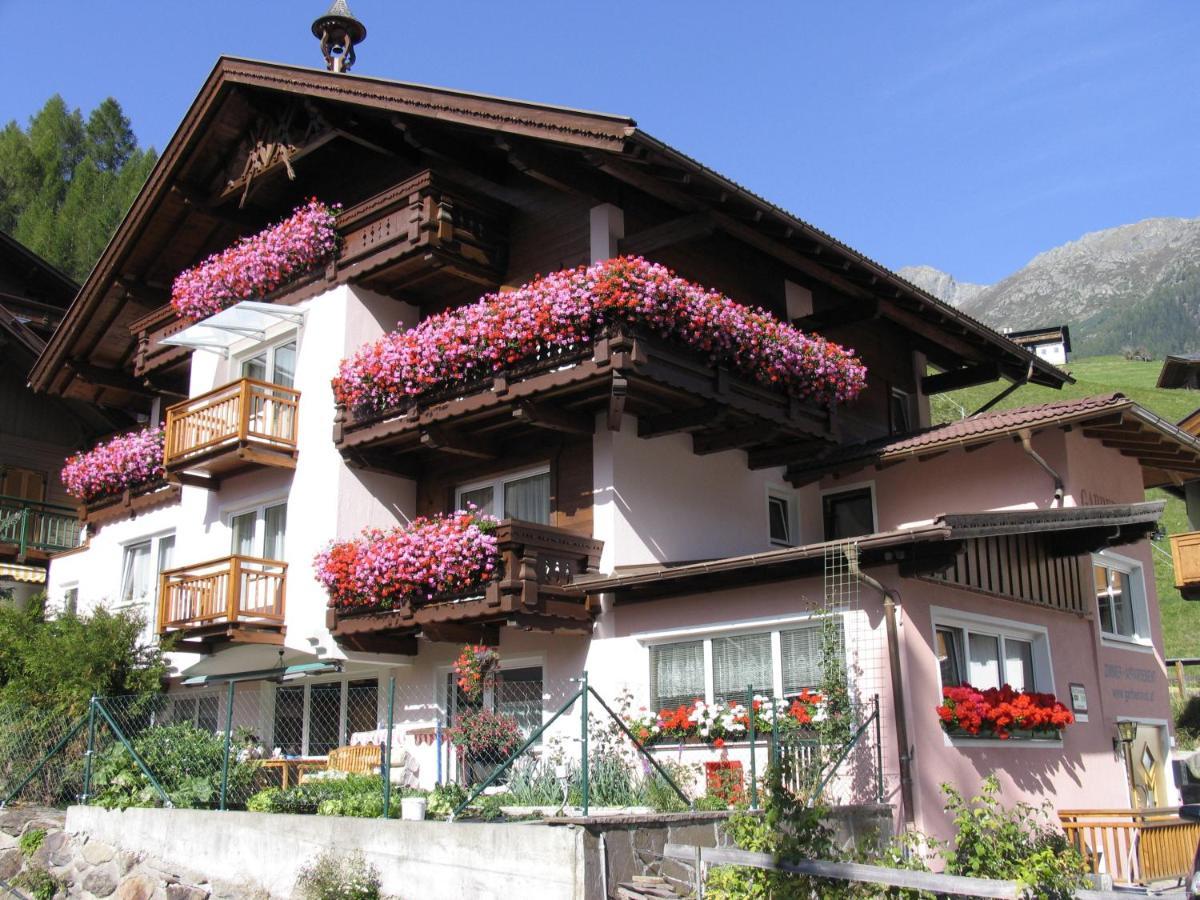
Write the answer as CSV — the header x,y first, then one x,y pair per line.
x,y
242,424
1185,554
236,598
1134,846
37,528
537,563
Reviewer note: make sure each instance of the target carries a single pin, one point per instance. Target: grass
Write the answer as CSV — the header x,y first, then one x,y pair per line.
x,y
1102,375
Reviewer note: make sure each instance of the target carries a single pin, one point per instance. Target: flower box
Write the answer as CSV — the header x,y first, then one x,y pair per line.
x,y
258,264
1002,714
720,723
111,471
556,317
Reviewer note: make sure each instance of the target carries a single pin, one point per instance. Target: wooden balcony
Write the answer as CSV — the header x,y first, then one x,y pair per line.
x,y
33,531
669,389
1134,846
234,428
1185,554
235,598
537,563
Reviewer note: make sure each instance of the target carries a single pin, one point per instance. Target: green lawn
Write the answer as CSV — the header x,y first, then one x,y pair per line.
x,y
1102,375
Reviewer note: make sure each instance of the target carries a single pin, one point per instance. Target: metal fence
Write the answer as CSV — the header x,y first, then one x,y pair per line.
x,y
517,745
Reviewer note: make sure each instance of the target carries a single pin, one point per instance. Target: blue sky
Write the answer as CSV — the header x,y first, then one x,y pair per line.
x,y
967,134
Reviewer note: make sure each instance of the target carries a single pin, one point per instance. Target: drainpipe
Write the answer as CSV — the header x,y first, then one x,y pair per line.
x,y
891,599
1027,445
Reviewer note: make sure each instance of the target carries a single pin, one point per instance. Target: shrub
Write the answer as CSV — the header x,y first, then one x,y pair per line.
x,y
1187,721
444,800
186,761
31,840
38,883
534,782
360,796
331,877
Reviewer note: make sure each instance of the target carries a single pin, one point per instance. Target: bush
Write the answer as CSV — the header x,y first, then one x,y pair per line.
x,y
31,840
360,796
331,877
1187,721
444,800
37,883
186,761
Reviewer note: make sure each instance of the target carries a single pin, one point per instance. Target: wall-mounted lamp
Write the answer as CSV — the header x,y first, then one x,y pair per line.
x,y
1126,732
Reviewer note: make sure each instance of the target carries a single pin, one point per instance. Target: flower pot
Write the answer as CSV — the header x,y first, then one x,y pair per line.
x,y
412,809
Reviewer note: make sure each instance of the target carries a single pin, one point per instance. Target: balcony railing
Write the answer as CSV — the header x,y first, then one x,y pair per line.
x,y
1185,554
243,424
39,527
537,563
1134,846
235,598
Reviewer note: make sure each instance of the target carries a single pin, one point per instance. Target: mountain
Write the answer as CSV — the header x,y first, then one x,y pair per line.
x,y
941,284
1134,286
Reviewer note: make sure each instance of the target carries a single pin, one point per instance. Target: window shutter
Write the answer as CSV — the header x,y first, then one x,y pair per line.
x,y
739,661
676,674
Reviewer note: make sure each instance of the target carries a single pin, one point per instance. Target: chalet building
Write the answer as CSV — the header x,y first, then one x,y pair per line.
x,y
1052,344
37,517
675,527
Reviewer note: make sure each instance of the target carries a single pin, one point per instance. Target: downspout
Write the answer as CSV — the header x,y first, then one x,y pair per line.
x,y
1027,445
891,599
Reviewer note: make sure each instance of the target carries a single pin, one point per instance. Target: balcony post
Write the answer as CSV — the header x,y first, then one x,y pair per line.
x,y
235,588
243,410
164,603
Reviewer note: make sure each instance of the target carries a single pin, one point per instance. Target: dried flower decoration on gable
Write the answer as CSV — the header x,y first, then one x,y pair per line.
x,y
258,264
125,462
430,558
568,310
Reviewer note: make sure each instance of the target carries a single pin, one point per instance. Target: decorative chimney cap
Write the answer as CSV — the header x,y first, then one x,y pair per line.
x,y
339,31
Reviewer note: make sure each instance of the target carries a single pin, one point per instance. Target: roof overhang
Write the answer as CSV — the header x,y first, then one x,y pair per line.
x,y
1096,526
247,320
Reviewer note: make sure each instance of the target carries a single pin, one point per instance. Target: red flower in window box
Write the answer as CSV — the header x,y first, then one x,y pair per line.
x,y
997,712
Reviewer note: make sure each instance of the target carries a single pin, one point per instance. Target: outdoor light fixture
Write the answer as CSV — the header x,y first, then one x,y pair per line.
x,y
1126,732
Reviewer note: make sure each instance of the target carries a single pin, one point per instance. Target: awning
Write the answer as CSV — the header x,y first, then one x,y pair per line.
x,y
247,320
26,574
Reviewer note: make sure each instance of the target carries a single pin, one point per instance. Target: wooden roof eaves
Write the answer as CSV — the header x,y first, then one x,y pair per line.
x,y
1043,372
63,281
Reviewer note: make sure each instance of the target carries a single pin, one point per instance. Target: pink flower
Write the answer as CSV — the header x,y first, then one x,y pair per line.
x,y
126,461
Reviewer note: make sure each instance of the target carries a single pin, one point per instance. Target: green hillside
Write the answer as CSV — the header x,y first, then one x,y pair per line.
x,y
1102,375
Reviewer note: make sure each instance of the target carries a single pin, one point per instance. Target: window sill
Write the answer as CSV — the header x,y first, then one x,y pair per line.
x,y
967,742
1139,645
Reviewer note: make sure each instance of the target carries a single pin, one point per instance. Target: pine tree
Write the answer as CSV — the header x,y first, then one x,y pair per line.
x,y
65,184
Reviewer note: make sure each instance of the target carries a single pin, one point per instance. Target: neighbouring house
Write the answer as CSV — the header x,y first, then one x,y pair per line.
x,y
1180,370
37,517
687,491
1053,344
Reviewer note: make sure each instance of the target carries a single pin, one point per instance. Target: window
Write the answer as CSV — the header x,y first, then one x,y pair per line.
x,y
202,711
781,518
521,495
22,484
991,653
1120,598
848,513
276,365
71,600
313,719
517,692
142,564
900,411
259,532
781,662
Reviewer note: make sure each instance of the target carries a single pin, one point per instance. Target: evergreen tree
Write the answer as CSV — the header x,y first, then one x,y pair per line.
x,y
66,184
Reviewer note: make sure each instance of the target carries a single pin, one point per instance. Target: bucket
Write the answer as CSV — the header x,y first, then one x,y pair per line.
x,y
412,809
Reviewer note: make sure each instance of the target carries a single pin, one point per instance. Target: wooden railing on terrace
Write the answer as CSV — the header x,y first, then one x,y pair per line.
x,y
244,413
234,590
1134,846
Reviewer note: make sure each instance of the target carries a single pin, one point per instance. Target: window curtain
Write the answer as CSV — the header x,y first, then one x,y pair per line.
x,y
984,650
275,525
676,674
135,581
285,365
742,660
528,499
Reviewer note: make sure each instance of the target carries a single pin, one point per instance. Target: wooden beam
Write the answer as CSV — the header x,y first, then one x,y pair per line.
x,y
399,644
116,379
540,415
984,373
449,441
616,401
840,316
488,635
668,234
786,454
731,439
705,416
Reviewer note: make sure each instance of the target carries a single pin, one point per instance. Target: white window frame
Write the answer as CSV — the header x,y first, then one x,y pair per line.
x,y
846,489
70,586
267,347
771,626
786,496
1142,638
496,483
343,706
896,393
975,623
259,509
191,694
150,601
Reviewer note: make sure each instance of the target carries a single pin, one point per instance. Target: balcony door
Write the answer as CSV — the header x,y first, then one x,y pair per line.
x,y
275,365
260,532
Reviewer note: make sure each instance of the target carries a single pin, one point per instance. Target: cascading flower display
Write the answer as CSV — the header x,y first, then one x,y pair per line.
x,y
475,666
430,557
997,712
559,313
259,263
125,462
716,723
